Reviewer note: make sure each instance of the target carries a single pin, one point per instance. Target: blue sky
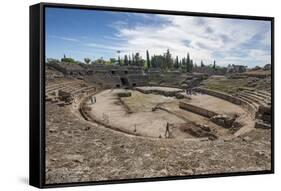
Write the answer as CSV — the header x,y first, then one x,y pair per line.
x,y
95,34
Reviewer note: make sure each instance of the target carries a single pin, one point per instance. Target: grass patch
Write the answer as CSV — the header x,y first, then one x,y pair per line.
x,y
225,84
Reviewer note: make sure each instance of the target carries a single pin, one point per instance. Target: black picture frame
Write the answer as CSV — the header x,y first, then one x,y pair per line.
x,y
37,95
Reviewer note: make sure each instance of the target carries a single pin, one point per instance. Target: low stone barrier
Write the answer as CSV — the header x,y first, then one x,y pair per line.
x,y
159,92
220,95
198,110
219,119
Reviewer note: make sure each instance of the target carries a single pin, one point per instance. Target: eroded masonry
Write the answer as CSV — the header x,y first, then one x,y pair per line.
x,y
118,122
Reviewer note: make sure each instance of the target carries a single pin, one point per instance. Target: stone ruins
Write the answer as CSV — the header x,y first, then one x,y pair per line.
x,y
108,121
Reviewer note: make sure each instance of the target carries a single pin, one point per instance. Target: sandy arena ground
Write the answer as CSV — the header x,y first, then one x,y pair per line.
x,y
141,120
215,104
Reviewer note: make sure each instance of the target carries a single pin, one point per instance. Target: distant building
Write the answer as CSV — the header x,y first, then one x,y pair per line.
x,y
236,68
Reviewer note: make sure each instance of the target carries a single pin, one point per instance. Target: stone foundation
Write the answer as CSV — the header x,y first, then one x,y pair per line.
x,y
165,91
197,110
219,119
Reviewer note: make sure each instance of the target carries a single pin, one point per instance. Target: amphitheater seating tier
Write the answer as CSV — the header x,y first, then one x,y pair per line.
x,y
71,89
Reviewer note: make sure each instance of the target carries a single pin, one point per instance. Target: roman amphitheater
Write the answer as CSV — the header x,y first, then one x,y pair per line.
x,y
109,122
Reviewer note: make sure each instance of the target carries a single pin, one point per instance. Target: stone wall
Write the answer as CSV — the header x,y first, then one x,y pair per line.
x,y
219,119
137,80
220,95
198,110
159,91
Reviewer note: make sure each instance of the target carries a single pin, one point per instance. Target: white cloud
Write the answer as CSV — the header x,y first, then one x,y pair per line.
x,y
65,38
267,38
96,45
200,36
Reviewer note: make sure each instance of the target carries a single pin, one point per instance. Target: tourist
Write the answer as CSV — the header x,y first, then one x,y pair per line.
x,y
91,98
167,132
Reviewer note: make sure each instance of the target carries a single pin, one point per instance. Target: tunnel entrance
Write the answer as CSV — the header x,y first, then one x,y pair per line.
x,y
124,81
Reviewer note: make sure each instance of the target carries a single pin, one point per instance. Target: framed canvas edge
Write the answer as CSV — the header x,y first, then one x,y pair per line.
x,y
40,87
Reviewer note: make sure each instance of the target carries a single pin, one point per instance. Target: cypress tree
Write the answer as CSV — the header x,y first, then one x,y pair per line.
x,y
119,60
191,65
133,59
147,59
202,64
214,66
187,63
126,61
177,62
130,61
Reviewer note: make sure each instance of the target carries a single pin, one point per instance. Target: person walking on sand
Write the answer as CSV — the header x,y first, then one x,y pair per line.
x,y
93,99
167,132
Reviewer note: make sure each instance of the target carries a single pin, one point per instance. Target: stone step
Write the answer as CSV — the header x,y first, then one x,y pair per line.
x,y
72,88
259,94
262,125
62,85
57,86
264,93
250,102
56,89
246,88
254,95
49,90
254,98
61,103
63,88
54,100
90,88
79,89
48,98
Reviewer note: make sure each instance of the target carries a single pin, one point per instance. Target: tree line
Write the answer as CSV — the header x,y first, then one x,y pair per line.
x,y
164,62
